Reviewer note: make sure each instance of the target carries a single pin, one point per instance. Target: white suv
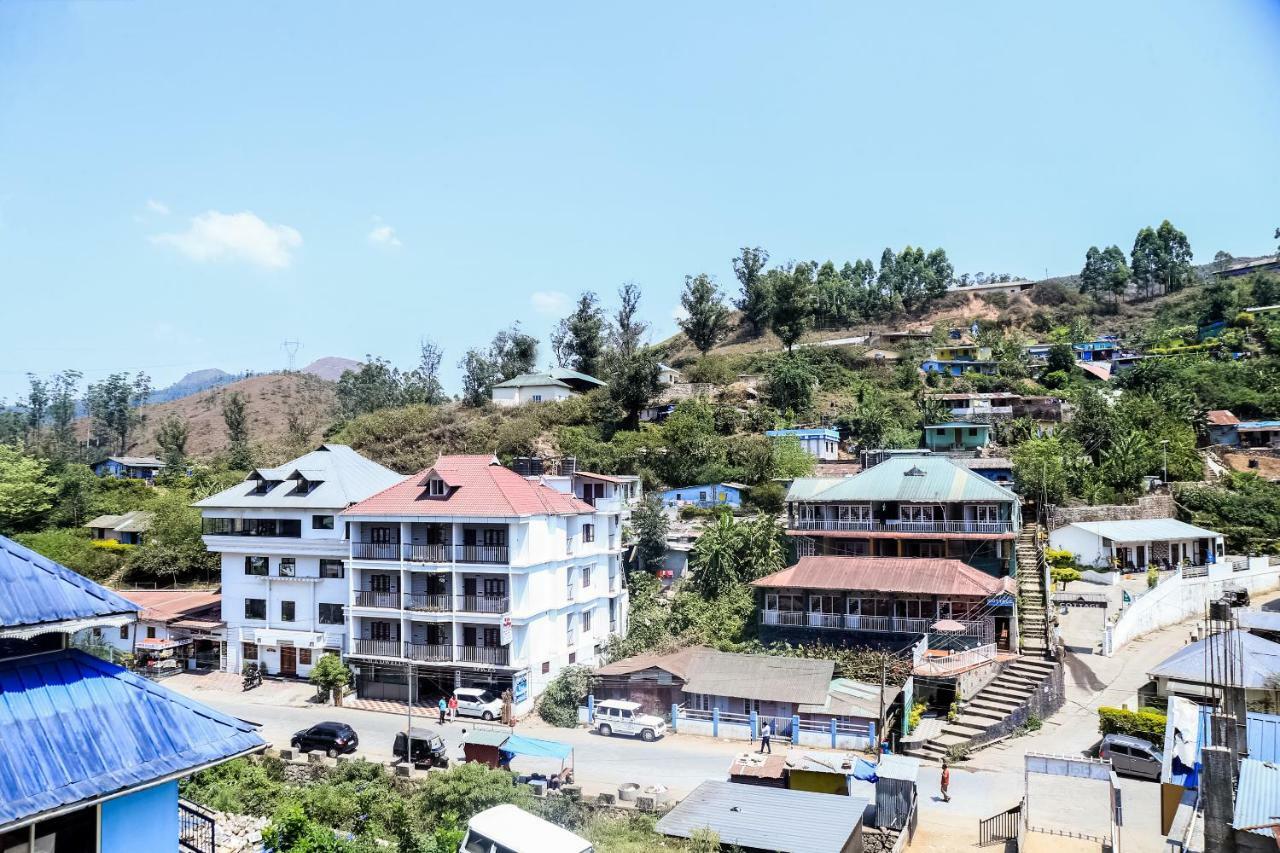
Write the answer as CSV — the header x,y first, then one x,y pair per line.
x,y
614,716
478,702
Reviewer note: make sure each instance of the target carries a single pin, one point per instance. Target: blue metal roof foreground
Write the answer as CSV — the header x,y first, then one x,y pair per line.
x,y
77,729
1257,797
37,590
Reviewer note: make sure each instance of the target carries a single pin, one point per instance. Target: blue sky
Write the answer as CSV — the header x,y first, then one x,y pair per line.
x,y
187,185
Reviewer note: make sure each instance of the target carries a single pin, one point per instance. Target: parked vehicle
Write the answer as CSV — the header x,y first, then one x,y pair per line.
x,y
1132,756
252,677
509,829
428,748
333,738
1236,596
478,702
614,716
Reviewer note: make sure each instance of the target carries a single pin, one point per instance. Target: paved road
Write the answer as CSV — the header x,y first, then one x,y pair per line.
x,y
678,761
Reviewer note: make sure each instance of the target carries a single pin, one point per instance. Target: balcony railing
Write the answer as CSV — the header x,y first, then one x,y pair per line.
x,y
376,550
378,648
395,552
850,622
196,829
896,526
480,553
496,655
427,553
372,598
426,601
483,603
428,651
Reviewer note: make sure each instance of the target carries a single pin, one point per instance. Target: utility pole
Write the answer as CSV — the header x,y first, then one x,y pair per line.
x,y
1164,445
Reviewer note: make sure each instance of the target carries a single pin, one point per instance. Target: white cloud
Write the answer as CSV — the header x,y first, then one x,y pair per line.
x,y
215,236
550,302
383,235
157,207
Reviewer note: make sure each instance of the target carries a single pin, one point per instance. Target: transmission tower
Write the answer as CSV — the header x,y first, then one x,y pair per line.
x,y
291,350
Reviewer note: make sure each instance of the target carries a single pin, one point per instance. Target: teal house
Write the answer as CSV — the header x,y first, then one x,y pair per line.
x,y
956,435
91,753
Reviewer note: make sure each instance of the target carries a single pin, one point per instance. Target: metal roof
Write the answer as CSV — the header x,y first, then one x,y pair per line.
x,y
564,373
1257,797
1246,426
939,479
849,698
958,425
821,431
1257,660
138,461
898,767
78,728
769,678
762,818
1145,529
923,575
486,737
1259,620
344,478
37,591
532,380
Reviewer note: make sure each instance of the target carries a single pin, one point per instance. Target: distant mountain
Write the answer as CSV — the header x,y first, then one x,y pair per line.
x,y
331,367
193,383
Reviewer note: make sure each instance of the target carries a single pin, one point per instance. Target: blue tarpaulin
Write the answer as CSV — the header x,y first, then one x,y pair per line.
x,y
865,771
520,745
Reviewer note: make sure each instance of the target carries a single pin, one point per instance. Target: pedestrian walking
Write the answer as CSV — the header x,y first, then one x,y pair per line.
x,y
946,781
765,733
453,707
444,708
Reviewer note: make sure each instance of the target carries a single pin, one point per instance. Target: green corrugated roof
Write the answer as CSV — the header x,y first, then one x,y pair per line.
x,y
940,480
566,373
524,380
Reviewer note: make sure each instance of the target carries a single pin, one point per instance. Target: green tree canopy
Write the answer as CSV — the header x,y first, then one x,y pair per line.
x,y
707,319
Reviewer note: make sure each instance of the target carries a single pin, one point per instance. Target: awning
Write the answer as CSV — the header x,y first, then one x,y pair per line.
x,y
520,745
154,644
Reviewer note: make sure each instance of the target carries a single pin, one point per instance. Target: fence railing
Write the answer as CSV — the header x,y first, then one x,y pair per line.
x,y
395,552
1001,827
1195,571
943,664
377,598
428,651
897,526
428,553
875,624
375,550
378,648
496,655
483,603
197,831
480,553
426,601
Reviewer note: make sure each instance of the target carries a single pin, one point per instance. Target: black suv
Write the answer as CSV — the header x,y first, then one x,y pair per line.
x,y
333,738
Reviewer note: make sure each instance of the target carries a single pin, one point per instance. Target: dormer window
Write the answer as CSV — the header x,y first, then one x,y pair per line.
x,y
436,488
305,486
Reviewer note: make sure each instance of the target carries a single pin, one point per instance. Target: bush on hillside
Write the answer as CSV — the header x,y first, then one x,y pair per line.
x,y
74,549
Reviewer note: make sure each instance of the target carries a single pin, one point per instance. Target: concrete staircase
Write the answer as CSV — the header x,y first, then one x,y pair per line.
x,y
1004,695
1033,613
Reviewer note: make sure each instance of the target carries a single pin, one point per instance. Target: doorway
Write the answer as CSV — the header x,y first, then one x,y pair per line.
x,y
289,661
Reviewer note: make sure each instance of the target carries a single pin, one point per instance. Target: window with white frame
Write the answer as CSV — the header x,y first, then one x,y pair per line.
x,y
586,623
915,513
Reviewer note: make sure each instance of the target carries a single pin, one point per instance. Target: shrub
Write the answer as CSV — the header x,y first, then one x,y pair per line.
x,y
1153,576
916,715
559,703
769,498
1147,724
1064,575
74,549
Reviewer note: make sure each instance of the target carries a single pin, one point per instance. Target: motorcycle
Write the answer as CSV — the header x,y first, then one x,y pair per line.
x,y
252,677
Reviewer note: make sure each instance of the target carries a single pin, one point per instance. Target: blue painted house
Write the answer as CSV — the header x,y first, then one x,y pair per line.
x,y
957,435
1102,349
820,442
129,467
708,495
91,754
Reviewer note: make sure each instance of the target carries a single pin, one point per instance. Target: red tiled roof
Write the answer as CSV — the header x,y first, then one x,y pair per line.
x,y
929,576
479,486
1222,417
163,605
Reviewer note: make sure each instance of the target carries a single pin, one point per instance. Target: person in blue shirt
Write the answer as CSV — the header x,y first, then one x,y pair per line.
x,y
444,707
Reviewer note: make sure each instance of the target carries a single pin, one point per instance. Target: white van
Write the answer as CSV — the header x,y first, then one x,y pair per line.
x,y
613,716
478,702
508,829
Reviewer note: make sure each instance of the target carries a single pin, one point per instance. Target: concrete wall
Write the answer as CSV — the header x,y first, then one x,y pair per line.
x,y
145,820
1042,703
1148,506
1178,599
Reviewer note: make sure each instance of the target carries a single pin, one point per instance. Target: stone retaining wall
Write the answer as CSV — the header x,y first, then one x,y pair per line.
x,y
1044,702
1157,505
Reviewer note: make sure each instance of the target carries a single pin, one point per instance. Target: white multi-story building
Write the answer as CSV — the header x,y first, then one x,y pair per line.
x,y
283,546
468,574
